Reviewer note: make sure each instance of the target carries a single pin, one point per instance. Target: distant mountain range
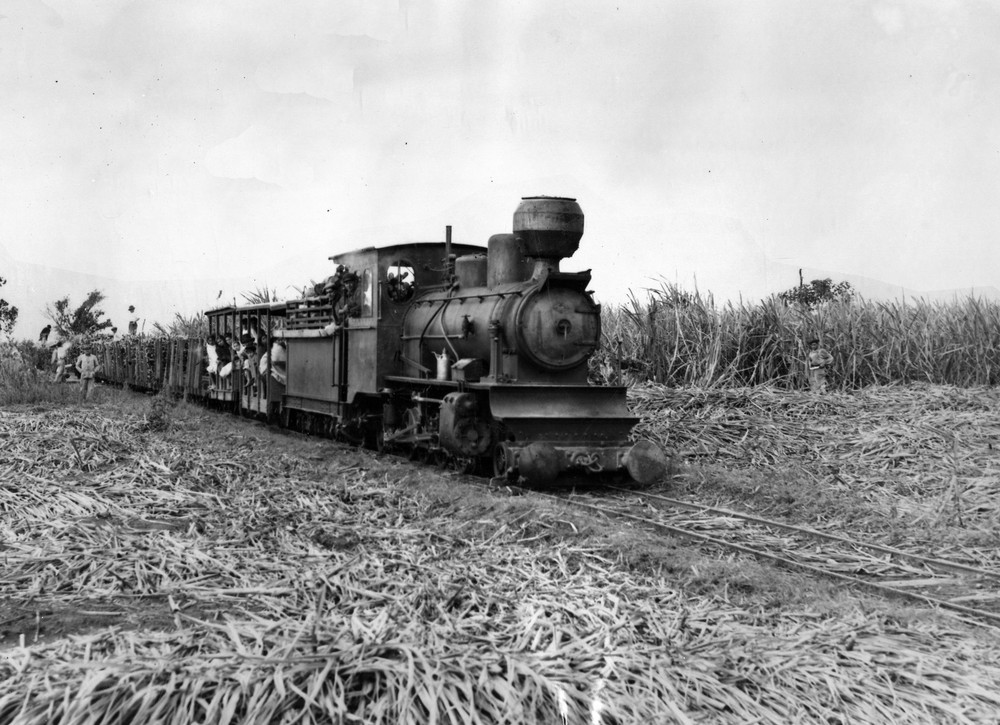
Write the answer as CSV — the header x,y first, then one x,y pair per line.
x,y
33,287
874,289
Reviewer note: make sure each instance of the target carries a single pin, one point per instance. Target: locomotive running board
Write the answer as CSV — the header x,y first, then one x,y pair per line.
x,y
569,414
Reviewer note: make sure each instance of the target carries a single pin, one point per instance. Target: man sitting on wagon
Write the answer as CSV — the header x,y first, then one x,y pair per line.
x,y
248,361
133,323
279,359
225,351
212,355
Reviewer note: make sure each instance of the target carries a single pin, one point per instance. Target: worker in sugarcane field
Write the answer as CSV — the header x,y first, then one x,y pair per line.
x,y
819,360
60,358
87,365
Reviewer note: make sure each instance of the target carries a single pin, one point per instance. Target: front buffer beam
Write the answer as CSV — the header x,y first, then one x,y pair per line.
x,y
554,429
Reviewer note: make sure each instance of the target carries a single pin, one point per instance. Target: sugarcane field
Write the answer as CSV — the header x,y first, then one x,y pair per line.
x,y
167,563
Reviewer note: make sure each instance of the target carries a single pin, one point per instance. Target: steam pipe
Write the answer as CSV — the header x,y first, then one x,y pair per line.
x,y
444,333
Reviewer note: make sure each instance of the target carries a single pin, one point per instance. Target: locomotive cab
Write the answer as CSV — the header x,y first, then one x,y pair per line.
x,y
344,340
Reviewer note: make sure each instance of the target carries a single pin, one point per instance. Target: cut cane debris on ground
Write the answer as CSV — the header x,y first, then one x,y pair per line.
x,y
208,569
916,465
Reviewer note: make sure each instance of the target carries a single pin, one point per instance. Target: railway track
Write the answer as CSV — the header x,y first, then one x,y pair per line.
x,y
953,586
957,587
960,588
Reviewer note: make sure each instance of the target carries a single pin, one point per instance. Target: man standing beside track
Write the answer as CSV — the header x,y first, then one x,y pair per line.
x,y
87,366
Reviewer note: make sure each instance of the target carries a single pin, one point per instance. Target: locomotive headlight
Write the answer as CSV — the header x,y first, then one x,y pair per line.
x,y
558,327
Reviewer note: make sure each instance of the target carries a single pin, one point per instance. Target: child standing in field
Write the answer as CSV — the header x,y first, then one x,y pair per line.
x,y
819,360
87,366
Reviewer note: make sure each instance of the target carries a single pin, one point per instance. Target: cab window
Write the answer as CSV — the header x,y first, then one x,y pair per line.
x,y
363,297
400,281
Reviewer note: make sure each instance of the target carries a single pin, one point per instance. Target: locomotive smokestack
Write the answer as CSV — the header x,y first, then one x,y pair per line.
x,y
550,226
449,270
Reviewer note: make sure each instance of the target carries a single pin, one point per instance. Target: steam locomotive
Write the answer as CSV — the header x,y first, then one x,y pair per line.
x,y
454,353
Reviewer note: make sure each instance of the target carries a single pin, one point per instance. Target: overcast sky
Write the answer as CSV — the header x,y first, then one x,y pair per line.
x,y
704,140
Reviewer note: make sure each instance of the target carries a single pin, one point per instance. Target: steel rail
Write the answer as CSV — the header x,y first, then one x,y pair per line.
x,y
917,558
994,619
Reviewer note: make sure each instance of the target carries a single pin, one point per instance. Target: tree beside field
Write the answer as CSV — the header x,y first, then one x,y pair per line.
x,y
8,314
816,292
84,321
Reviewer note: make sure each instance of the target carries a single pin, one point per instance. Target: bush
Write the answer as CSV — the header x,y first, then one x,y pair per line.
x,y
35,355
